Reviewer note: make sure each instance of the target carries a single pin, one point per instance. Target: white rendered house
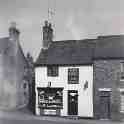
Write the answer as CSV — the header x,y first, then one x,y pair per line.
x,y
64,77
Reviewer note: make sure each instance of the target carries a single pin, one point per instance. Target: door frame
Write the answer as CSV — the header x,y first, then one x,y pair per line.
x,y
76,104
106,94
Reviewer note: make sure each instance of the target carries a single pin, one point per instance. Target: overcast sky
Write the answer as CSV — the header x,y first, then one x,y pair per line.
x,y
74,19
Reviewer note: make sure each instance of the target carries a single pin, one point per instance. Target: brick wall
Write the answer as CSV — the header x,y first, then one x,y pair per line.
x,y
106,75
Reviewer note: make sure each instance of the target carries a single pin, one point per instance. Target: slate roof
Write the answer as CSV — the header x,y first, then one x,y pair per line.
x,y
67,52
82,51
109,47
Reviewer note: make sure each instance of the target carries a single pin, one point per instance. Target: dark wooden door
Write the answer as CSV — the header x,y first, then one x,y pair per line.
x,y
105,106
72,102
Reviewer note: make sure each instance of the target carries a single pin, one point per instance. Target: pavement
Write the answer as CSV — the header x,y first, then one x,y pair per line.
x,y
26,115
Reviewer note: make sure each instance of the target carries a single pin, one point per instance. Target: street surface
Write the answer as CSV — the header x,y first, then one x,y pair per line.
x,y
31,122
7,121
22,117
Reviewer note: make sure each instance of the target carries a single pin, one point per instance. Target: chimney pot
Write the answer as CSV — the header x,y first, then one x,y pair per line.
x,y
47,34
46,23
13,31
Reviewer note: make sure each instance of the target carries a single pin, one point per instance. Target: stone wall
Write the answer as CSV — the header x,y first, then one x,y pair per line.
x,y
12,67
22,80
7,81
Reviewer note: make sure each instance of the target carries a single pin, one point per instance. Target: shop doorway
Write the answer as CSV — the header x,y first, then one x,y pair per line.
x,y
72,102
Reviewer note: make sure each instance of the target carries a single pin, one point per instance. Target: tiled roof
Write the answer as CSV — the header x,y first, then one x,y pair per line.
x,y
67,52
83,51
109,47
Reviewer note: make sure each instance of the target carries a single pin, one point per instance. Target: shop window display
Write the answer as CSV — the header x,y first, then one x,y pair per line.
x,y
50,98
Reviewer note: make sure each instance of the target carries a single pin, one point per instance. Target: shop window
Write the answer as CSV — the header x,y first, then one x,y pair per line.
x,y
122,70
52,71
50,98
122,102
73,75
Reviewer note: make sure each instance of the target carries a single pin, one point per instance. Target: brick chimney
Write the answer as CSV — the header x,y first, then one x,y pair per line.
x,y
13,32
47,35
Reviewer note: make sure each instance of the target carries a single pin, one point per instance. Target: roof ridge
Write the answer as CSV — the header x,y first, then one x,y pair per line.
x,y
110,36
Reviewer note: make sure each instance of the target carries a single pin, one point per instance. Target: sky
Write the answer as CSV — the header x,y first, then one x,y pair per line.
x,y
73,19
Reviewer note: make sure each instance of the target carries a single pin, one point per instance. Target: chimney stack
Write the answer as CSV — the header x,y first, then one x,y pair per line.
x,y
13,32
47,35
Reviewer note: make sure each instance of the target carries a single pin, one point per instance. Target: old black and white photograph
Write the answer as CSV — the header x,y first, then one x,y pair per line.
x,y
61,61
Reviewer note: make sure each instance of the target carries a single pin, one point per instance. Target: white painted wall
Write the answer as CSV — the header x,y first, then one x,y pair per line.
x,y
85,98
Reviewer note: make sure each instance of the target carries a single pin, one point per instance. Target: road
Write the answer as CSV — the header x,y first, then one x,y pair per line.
x,y
5,121
10,121
25,117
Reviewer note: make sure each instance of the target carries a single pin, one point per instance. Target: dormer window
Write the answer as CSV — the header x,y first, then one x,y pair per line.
x,y
52,71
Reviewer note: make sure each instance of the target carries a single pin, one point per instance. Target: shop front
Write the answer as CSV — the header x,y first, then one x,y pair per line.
x,y
50,100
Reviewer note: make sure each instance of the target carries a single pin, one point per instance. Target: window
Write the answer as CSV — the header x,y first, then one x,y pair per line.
x,y
122,102
24,85
73,75
52,71
25,94
50,98
25,71
122,70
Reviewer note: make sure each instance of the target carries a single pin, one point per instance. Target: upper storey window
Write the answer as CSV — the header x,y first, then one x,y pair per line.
x,y
73,75
52,71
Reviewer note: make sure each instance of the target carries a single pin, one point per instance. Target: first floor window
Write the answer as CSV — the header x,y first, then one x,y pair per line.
x,y
73,75
52,71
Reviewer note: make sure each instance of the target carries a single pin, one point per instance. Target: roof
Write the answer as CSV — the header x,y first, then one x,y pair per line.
x,y
109,47
67,52
4,44
6,47
82,51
